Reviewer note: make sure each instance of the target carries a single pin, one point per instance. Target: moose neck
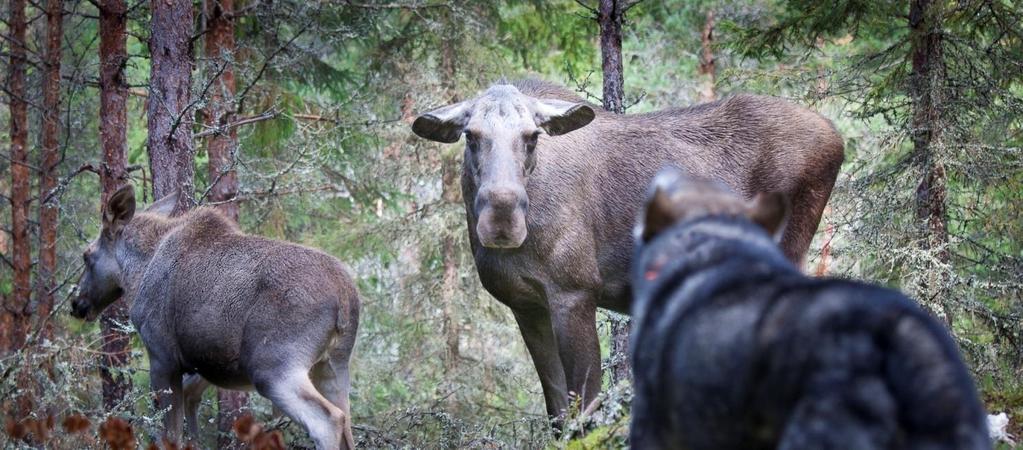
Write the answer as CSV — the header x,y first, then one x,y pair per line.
x,y
138,244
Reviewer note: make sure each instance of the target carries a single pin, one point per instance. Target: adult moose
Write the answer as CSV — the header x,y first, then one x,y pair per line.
x,y
552,185
239,311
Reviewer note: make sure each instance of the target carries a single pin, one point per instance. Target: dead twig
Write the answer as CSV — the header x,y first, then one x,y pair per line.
x,y
271,114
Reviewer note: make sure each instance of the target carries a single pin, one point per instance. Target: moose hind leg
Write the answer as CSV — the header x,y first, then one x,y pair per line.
x,y
297,397
332,380
809,202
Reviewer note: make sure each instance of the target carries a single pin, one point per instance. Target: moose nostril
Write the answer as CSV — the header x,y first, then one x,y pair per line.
x,y
503,198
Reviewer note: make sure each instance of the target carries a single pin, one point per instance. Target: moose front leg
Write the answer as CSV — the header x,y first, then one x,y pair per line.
x,y
574,317
166,383
538,333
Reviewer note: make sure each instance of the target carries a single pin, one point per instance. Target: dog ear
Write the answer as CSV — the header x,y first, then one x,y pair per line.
x,y
660,210
770,211
660,214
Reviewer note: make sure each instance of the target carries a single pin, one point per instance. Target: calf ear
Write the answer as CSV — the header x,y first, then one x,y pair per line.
x,y
560,117
770,211
119,210
443,124
164,206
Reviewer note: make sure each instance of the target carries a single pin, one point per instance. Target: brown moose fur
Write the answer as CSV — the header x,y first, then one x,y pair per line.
x,y
237,310
550,214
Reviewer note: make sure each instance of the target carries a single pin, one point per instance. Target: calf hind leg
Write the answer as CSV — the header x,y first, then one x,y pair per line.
x,y
297,397
332,380
193,387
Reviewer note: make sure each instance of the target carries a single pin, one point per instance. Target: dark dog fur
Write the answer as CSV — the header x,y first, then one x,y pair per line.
x,y
733,348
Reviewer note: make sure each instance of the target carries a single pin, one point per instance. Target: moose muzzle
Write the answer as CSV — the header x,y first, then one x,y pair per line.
x,y
502,216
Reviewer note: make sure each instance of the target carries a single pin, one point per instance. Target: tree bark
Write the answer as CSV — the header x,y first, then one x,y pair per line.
x,y
113,135
15,315
450,172
822,86
50,134
926,86
221,148
451,193
609,15
171,154
450,288
707,69
220,112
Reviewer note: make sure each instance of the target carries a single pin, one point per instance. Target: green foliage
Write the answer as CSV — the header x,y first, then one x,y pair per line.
x,y
338,169
867,80
548,37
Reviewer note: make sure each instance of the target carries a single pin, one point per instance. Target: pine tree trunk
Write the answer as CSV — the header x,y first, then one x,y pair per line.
x,y
171,154
610,19
49,139
221,148
822,88
450,285
707,69
451,193
220,112
113,136
926,85
15,315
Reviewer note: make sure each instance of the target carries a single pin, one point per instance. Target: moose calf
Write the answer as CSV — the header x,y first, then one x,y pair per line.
x,y
733,348
240,311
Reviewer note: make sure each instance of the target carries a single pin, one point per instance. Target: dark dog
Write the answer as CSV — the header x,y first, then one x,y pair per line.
x,y
734,348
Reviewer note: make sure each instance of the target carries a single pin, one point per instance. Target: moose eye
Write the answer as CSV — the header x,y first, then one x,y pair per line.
x,y
531,140
472,140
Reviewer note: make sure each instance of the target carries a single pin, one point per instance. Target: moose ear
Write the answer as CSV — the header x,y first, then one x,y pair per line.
x,y
660,211
164,206
119,210
443,124
560,117
770,211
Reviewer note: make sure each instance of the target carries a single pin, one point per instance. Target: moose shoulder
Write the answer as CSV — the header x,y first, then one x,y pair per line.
x,y
552,185
240,311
